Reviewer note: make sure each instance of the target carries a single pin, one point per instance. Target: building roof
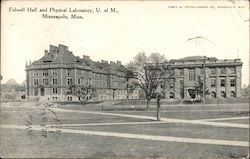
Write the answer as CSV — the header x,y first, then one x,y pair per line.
x,y
196,58
61,55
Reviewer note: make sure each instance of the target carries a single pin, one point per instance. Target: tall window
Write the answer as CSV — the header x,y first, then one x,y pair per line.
x,y
222,82
202,71
54,81
213,94
83,72
191,75
232,94
223,94
181,72
79,81
35,92
35,82
171,84
46,81
232,82
69,81
54,90
213,82
171,95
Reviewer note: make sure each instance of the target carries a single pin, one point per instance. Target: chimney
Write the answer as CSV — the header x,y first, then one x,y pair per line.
x,y
46,52
85,57
63,47
119,63
112,63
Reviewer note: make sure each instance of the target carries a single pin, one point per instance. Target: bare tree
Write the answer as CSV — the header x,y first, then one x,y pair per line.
x,y
147,79
164,73
84,93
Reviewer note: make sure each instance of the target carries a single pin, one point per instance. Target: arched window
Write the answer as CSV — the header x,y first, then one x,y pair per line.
x,y
223,94
213,94
171,95
232,94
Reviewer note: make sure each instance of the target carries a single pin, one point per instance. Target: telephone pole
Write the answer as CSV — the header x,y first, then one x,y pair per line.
x,y
204,82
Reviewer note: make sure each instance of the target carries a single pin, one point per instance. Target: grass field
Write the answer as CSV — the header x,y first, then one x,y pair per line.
x,y
87,132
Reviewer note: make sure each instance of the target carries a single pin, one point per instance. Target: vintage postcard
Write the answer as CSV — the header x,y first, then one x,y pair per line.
x,y
124,79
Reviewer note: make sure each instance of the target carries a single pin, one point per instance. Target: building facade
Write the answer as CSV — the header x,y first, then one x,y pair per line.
x,y
49,77
221,78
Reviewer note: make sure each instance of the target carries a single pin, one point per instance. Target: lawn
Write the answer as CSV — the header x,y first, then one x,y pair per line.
x,y
17,143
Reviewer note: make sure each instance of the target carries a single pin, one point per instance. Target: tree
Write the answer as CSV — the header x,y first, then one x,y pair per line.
x,y
129,75
84,93
199,88
165,72
146,79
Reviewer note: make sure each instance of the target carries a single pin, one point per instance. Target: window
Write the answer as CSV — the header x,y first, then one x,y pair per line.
x,y
69,98
222,70
46,81
213,94
69,72
213,71
171,85
223,94
54,90
232,70
83,72
201,71
181,72
54,72
222,82
35,82
79,81
69,81
191,75
213,82
45,73
232,82
36,72
171,95
35,92
54,81
232,94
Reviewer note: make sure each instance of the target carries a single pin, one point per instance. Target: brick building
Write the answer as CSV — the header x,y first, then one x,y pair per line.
x,y
222,77
48,78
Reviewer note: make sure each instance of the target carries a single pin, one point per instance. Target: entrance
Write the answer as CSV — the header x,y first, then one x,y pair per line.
x,y
42,91
192,93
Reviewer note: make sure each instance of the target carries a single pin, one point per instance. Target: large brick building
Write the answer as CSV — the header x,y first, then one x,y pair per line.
x,y
222,77
48,78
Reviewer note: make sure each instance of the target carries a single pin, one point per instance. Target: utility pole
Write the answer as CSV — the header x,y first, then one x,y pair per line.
x,y
204,82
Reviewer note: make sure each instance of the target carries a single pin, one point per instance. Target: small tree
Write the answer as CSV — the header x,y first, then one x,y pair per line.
x,y
199,88
84,93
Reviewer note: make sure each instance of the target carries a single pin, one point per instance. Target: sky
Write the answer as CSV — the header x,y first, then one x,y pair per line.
x,y
136,26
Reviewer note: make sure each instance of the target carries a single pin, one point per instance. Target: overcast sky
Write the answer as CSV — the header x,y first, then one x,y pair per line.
x,y
138,26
